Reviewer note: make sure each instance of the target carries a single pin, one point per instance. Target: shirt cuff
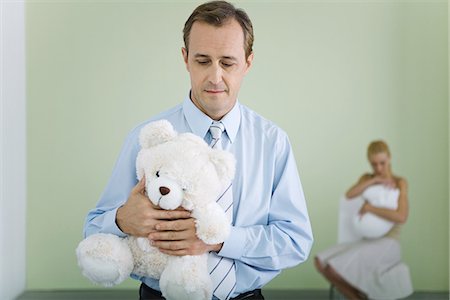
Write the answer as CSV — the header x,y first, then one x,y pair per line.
x,y
235,245
110,225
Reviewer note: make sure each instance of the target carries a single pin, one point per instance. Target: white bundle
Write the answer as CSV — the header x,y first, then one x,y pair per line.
x,y
370,225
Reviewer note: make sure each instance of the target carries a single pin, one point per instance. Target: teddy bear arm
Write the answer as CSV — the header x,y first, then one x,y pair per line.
x,y
211,223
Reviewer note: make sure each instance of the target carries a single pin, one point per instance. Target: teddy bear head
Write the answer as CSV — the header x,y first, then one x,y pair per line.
x,y
181,169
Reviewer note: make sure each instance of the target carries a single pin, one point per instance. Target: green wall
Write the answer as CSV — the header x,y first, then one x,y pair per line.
x,y
334,74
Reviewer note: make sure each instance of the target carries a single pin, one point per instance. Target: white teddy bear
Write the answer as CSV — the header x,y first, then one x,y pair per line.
x,y
180,170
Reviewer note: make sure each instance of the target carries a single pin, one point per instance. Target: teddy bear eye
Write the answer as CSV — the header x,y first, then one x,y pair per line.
x,y
157,173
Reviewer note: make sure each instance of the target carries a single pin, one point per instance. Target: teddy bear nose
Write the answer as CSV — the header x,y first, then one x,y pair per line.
x,y
164,190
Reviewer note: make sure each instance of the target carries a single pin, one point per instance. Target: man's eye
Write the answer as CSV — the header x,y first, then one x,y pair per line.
x,y
202,62
157,173
226,65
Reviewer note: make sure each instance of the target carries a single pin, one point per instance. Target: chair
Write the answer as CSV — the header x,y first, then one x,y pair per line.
x,y
347,211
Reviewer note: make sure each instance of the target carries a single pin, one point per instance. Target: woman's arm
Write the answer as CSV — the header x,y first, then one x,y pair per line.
x,y
364,182
399,215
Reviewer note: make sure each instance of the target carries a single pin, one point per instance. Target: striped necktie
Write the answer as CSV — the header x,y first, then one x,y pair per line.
x,y
221,269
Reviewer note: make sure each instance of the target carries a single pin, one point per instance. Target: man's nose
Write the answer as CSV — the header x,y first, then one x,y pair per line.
x,y
215,74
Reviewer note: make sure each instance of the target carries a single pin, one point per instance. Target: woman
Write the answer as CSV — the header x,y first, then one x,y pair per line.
x,y
371,268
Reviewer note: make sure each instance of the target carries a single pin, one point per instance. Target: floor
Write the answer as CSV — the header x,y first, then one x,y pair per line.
x,y
268,295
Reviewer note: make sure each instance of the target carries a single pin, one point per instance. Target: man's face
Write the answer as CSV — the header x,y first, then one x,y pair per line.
x,y
217,65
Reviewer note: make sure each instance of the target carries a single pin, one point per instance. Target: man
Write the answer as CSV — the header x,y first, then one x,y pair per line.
x,y
271,229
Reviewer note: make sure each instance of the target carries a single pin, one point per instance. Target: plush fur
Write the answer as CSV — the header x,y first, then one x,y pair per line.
x,y
195,174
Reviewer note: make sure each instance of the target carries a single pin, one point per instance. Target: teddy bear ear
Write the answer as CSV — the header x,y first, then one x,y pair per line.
x,y
224,163
156,133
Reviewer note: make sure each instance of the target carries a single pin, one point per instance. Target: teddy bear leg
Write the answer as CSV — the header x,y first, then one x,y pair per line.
x,y
105,259
186,278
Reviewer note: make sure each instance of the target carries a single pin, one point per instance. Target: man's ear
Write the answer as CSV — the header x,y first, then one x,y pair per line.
x,y
249,62
184,52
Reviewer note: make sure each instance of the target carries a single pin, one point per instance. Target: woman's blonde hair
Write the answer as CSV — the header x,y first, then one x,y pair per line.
x,y
376,147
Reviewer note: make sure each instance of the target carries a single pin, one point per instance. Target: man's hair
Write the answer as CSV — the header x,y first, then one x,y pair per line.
x,y
218,13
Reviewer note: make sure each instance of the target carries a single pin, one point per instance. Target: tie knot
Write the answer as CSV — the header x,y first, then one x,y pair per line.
x,y
216,130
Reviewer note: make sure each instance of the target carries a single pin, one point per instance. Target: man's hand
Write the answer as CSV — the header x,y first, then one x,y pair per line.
x,y
138,216
178,237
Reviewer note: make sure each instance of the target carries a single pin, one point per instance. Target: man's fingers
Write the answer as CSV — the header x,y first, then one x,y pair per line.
x,y
170,245
180,248
176,225
175,252
167,236
173,215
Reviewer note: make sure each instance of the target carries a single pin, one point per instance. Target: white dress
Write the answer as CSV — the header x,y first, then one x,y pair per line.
x,y
373,266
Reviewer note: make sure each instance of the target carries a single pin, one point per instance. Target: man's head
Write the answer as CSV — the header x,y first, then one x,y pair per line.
x,y
218,54
218,13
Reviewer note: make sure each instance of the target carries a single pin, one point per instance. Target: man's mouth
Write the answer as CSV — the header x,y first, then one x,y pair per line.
x,y
215,91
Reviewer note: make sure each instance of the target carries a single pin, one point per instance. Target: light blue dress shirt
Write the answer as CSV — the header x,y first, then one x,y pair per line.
x,y
271,229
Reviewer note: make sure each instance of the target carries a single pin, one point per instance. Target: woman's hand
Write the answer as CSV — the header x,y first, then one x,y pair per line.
x,y
365,208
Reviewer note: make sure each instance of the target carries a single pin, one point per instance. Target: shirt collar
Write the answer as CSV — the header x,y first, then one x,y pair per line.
x,y
200,122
